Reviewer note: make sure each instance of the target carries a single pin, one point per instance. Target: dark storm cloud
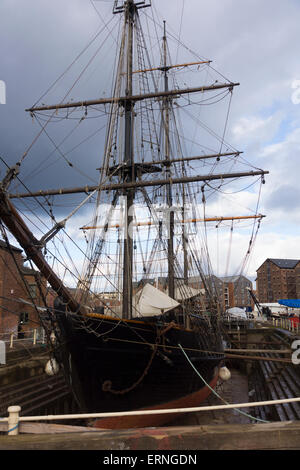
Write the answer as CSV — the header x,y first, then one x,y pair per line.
x,y
39,39
252,42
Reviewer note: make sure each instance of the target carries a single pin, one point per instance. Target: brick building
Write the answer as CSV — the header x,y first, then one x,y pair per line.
x,y
278,279
235,291
232,291
16,300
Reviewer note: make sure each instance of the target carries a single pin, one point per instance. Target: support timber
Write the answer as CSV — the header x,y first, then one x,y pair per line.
x,y
271,436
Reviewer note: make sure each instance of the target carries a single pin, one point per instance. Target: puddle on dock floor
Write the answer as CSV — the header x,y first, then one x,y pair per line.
x,y
234,390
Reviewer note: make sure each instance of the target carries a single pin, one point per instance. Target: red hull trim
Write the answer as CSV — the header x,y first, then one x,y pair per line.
x,y
129,422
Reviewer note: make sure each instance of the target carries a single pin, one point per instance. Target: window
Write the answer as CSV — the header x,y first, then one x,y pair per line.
x,y
24,317
32,290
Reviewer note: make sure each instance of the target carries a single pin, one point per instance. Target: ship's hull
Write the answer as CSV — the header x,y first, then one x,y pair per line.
x,y
130,365
145,420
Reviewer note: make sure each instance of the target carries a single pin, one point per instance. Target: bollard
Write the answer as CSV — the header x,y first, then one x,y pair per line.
x,y
11,340
34,336
13,420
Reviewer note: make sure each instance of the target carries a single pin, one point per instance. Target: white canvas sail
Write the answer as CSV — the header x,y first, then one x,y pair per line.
x,y
150,301
185,292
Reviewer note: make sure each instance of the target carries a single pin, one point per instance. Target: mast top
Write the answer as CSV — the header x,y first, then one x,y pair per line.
x,y
120,5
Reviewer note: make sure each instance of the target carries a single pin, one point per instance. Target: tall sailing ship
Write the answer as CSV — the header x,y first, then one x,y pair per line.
x,y
137,315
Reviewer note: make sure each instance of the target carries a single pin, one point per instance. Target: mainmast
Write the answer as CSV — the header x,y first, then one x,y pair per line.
x,y
128,172
166,121
129,7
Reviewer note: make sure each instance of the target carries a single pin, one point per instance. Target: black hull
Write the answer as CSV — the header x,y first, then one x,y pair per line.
x,y
129,365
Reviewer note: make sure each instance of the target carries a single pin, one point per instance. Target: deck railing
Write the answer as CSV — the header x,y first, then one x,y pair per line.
x,y
33,336
281,322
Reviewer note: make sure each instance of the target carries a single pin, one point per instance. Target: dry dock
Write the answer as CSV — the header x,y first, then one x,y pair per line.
x,y
259,358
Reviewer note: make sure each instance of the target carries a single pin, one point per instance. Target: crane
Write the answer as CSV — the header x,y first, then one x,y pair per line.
x,y
261,310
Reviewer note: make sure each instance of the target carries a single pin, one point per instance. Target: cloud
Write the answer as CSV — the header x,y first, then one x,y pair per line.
x,y
255,131
252,42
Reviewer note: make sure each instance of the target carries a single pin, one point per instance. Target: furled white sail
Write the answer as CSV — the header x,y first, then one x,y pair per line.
x,y
150,301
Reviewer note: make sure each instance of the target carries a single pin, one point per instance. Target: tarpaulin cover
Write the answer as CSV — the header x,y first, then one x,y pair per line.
x,y
237,312
292,303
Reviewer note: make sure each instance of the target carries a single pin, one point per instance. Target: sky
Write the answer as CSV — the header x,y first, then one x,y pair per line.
x,y
254,43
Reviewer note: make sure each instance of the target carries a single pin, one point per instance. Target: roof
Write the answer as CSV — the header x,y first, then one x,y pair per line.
x,y
233,278
4,245
285,263
28,271
282,263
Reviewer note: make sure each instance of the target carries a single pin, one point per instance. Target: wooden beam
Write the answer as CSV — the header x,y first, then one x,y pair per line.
x,y
46,428
208,219
188,159
137,184
168,67
179,159
257,358
266,436
274,351
134,98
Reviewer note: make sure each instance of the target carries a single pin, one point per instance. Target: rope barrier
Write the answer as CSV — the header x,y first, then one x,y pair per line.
x,y
158,411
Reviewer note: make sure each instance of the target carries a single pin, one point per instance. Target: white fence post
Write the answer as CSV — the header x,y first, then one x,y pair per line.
x,y
11,340
13,420
2,352
34,336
